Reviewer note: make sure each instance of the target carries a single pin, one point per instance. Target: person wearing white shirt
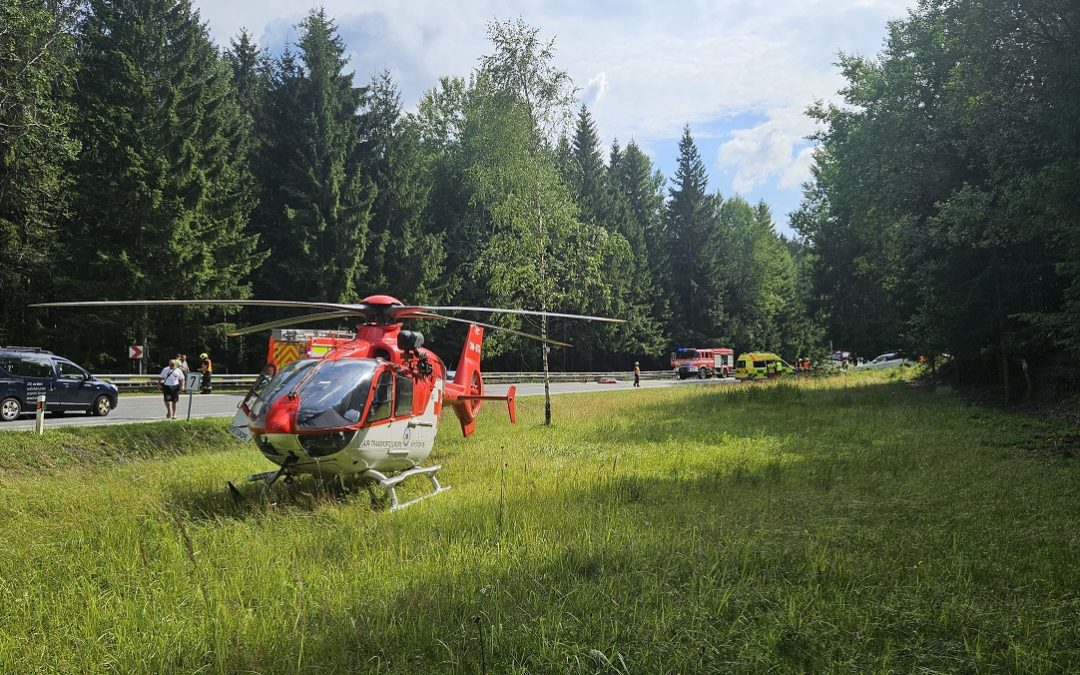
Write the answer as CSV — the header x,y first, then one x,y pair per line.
x,y
172,383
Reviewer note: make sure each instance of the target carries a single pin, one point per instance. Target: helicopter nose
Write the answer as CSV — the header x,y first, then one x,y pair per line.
x,y
281,418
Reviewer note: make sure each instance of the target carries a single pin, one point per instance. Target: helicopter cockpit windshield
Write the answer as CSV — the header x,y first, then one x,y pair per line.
x,y
332,393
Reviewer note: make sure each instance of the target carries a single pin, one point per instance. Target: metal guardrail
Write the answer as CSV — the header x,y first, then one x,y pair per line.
x,y
132,382
508,378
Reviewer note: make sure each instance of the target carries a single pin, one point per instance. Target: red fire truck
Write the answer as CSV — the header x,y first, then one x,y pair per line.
x,y
703,362
287,344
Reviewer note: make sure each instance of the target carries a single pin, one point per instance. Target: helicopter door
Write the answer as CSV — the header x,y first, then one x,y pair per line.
x,y
403,408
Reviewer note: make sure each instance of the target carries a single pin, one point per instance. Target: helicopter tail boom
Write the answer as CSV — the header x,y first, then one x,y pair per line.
x,y
466,392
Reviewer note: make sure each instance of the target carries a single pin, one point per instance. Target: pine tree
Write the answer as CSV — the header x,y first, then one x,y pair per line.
x,y
440,121
35,150
251,71
564,159
694,250
163,198
588,175
403,259
600,200
315,200
643,188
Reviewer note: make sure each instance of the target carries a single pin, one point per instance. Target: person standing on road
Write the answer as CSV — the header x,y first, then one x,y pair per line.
x,y
637,374
172,383
207,370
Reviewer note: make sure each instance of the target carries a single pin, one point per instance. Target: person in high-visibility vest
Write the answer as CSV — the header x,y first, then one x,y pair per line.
x,y
207,370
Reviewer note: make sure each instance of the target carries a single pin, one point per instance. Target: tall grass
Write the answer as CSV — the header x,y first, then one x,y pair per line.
x,y
849,523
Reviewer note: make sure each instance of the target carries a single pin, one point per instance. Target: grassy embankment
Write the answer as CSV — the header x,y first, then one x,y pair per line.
x,y
850,524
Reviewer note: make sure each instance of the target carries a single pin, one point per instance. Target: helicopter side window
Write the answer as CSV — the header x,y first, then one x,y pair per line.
x,y
380,402
403,399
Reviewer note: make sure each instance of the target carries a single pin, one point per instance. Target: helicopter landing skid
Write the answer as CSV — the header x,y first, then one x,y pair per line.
x,y
390,484
268,478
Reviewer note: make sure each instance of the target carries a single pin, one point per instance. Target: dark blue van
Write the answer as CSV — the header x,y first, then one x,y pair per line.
x,y
27,372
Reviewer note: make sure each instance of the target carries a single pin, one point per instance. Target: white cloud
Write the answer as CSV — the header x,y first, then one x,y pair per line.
x,y
798,172
593,93
648,68
661,64
761,153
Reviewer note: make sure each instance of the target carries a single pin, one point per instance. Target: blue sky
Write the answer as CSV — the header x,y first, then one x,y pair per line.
x,y
740,73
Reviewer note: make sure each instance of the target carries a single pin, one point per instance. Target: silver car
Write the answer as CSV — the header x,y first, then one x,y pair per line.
x,y
886,360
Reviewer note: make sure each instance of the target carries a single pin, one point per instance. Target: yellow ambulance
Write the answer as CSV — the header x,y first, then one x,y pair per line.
x,y
761,365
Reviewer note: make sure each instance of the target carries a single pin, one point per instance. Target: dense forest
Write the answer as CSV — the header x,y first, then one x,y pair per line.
x,y
140,160
944,214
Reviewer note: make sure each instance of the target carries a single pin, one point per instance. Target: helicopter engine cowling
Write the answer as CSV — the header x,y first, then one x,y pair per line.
x,y
410,340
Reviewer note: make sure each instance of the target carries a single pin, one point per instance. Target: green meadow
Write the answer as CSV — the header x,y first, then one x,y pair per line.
x,y
846,524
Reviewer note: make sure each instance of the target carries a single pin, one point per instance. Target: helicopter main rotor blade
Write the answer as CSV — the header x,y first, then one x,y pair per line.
x,y
512,331
406,309
371,311
237,303
293,321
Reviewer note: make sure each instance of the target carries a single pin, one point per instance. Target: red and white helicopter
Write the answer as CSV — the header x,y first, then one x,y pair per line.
x,y
369,407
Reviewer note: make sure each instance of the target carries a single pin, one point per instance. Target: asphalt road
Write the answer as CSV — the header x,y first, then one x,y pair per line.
x,y
140,408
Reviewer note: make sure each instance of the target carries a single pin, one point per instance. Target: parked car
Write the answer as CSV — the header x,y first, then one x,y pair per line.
x,y
28,372
886,360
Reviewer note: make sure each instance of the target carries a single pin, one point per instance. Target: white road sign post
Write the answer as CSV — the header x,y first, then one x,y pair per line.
x,y
40,411
193,382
